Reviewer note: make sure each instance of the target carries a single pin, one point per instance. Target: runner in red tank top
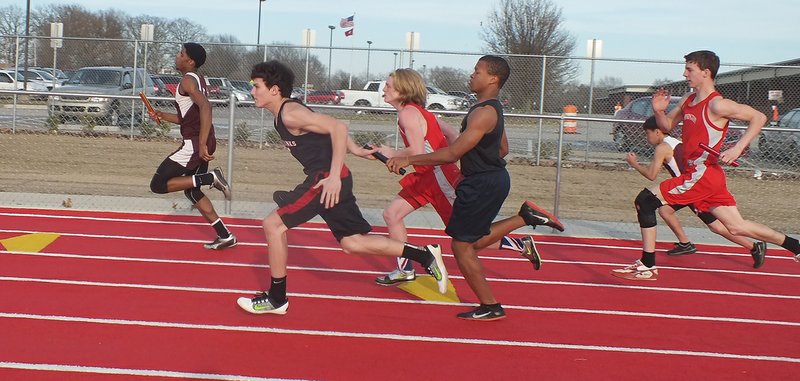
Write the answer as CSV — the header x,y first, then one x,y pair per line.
x,y
705,115
669,154
423,133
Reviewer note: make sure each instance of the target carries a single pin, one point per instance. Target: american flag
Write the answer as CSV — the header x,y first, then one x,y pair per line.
x,y
347,22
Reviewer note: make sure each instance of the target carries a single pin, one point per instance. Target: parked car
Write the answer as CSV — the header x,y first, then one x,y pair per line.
x,y
328,97
372,96
170,81
99,84
9,82
298,93
782,145
629,137
41,77
245,86
160,90
469,98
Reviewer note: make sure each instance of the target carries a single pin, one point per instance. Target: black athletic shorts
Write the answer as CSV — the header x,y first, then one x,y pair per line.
x,y
706,217
303,203
479,198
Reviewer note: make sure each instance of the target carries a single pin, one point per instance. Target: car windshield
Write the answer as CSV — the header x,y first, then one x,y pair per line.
x,y
96,77
45,75
20,77
245,86
435,90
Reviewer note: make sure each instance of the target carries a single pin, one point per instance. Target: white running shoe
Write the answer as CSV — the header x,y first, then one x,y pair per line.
x,y
261,304
436,268
636,271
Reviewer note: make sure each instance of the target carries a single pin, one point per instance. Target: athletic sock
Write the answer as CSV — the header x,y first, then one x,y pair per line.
x,y
492,307
203,179
511,243
648,259
417,254
791,244
277,291
222,230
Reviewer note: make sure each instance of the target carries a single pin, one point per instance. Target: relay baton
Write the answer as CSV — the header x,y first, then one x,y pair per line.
x,y
383,158
149,106
716,153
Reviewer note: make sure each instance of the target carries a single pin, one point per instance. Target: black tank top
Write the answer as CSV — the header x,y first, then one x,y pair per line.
x,y
313,151
485,156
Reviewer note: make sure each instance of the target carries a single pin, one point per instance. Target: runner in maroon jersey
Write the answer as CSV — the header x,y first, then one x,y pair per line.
x,y
705,115
187,168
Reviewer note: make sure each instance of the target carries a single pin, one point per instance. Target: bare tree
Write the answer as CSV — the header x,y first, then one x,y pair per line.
x,y
520,28
226,58
183,30
295,59
448,78
12,23
94,38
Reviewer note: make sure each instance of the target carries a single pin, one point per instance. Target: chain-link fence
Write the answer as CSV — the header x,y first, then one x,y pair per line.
x,y
96,143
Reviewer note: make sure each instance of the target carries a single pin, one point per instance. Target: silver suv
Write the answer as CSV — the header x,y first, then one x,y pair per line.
x,y
100,84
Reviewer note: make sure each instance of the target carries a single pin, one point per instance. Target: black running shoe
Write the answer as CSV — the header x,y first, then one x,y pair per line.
x,y
530,253
682,249
484,313
534,215
221,184
759,253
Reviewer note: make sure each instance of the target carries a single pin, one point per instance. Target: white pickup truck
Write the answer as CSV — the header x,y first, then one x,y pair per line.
x,y
372,96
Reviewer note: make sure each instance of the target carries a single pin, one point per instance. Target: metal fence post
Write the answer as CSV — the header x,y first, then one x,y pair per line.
x,y
231,135
557,200
541,110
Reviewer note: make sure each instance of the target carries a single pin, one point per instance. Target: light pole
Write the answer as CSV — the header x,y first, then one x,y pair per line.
x,y
369,45
330,53
258,38
395,60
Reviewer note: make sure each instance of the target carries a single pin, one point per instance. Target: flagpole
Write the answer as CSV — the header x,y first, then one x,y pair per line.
x,y
350,81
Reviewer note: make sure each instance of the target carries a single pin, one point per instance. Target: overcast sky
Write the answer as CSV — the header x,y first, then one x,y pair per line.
x,y
738,31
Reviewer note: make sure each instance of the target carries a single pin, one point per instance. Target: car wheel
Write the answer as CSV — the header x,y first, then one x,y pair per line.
x,y
435,106
793,154
112,118
764,150
362,103
621,140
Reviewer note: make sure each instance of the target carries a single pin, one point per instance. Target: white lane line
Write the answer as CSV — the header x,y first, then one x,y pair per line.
x,y
370,272
402,301
325,229
132,372
400,337
328,248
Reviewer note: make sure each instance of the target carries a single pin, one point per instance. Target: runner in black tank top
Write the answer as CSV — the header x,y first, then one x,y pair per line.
x,y
485,156
319,142
480,195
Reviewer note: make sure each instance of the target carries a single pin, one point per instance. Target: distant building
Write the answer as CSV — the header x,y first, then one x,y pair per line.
x,y
749,85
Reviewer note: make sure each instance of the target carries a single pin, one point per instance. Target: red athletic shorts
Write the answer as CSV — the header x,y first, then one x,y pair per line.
x,y
705,187
435,187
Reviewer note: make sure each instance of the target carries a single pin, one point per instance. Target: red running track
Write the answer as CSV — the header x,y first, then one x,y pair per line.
x,y
122,296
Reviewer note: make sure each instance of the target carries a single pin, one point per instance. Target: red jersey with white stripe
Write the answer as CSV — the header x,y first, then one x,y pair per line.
x,y
431,184
702,182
